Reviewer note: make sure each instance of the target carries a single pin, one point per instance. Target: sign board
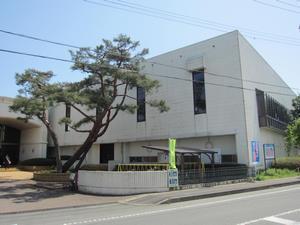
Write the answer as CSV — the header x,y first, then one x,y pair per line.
x,y
173,178
172,153
218,156
269,154
255,152
269,150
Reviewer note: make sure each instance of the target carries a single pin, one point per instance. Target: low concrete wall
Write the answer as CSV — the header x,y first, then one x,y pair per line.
x,y
122,183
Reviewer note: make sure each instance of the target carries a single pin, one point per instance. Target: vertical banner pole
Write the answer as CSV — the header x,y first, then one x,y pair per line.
x,y
172,153
173,181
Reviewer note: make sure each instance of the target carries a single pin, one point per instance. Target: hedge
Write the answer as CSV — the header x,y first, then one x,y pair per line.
x,y
38,162
291,163
94,167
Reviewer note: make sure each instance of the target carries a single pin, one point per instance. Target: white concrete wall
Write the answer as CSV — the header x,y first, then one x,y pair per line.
x,y
255,68
33,141
224,105
122,183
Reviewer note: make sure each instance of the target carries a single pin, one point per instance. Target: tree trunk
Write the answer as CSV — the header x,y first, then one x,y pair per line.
x,y
83,149
56,149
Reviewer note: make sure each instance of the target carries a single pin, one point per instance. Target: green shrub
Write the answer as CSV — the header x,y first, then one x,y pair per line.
x,y
291,163
38,162
276,173
94,167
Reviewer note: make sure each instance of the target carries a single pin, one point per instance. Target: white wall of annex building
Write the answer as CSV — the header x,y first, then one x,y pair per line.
x,y
33,141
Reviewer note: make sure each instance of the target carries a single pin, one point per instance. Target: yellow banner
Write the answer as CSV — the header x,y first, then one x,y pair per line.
x,y
172,153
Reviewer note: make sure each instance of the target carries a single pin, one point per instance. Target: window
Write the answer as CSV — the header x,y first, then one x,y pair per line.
x,y
191,158
68,115
229,158
141,105
261,109
199,92
143,159
270,112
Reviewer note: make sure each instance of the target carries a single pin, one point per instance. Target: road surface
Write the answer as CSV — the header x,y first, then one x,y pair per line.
x,y
272,206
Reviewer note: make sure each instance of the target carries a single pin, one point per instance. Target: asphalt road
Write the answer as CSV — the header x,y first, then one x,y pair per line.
x,y
273,206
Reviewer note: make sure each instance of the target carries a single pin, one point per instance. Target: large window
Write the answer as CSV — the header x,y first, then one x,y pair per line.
x,y
141,105
270,112
199,92
68,115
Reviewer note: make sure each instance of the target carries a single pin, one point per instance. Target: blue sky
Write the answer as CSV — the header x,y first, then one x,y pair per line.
x,y
83,24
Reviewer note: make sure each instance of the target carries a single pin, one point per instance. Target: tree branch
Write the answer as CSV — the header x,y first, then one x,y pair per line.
x,y
105,125
121,103
83,113
78,130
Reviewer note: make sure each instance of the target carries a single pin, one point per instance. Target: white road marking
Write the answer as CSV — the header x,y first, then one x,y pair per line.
x,y
265,218
186,207
279,220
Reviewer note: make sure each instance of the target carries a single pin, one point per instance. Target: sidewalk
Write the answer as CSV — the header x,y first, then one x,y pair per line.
x,y
27,195
18,196
207,192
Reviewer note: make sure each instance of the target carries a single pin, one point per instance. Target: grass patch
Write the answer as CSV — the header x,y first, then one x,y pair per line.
x,y
276,173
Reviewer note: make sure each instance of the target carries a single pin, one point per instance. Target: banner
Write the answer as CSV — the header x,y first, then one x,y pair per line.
x,y
172,153
269,150
255,152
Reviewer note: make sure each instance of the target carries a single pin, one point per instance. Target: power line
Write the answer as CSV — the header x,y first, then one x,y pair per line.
x,y
74,46
149,74
38,39
36,55
276,6
219,85
225,75
287,3
264,36
167,15
155,16
204,21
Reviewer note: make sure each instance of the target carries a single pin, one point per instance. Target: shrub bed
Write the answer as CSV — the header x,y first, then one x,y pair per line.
x,y
276,173
35,168
291,163
51,176
94,167
38,162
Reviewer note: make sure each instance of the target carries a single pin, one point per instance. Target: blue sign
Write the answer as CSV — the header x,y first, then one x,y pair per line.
x,y
255,151
173,178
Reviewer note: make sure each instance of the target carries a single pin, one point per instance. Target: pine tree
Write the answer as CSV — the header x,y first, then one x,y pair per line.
x,y
112,69
35,97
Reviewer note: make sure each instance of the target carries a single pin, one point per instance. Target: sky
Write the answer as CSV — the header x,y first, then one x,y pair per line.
x,y
86,22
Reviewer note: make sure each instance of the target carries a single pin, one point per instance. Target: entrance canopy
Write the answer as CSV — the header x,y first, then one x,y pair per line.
x,y
18,124
186,151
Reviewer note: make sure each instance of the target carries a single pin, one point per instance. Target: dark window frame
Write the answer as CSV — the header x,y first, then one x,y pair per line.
x,y
143,159
270,112
141,104
229,158
68,115
199,95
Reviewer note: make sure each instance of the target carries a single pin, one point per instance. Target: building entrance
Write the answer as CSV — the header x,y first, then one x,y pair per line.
x,y
9,144
106,153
